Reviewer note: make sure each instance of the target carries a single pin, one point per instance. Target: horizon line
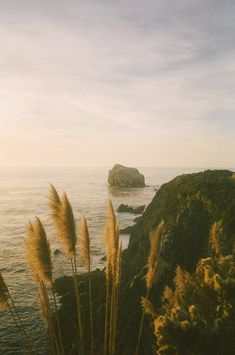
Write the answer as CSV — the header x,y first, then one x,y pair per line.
x,y
108,166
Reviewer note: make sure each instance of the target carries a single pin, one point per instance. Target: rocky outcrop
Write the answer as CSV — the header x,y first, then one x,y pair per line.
x,y
129,209
189,204
122,176
127,230
58,252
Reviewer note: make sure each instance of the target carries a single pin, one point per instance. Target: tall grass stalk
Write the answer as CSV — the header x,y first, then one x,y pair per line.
x,y
117,288
156,237
5,297
78,300
38,256
85,253
107,270
113,255
46,313
65,224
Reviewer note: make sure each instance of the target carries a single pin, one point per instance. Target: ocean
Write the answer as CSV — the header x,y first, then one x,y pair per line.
x,y
24,195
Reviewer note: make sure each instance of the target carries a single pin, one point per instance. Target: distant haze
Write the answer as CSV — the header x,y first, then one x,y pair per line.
x,y
144,82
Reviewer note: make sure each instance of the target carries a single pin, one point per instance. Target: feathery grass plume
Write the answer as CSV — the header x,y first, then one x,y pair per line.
x,y
84,244
181,279
54,203
156,236
111,236
64,221
68,226
148,307
65,224
214,239
118,267
85,254
38,254
3,294
168,297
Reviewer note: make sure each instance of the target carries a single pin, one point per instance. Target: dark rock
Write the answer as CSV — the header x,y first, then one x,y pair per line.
x,y
136,219
127,230
129,209
122,176
58,252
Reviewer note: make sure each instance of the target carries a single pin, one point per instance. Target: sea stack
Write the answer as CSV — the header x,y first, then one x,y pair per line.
x,y
122,176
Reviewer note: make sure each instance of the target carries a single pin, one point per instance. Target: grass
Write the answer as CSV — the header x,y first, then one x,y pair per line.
x,y
76,244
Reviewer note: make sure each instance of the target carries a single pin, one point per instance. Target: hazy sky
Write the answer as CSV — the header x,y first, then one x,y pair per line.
x,y
142,82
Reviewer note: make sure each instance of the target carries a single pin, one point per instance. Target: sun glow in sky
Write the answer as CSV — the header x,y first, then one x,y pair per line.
x,y
144,82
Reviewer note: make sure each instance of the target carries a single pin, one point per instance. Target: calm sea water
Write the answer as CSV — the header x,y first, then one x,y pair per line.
x,y
23,192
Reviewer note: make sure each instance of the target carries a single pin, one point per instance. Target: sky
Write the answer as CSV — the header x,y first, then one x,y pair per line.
x,y
141,83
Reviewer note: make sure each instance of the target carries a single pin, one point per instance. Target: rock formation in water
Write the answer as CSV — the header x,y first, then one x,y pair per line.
x,y
129,209
122,176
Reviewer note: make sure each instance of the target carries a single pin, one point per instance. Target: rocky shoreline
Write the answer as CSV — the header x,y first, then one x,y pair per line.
x,y
189,204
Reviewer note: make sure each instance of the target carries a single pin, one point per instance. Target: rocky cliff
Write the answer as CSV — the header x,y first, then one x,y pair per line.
x,y
189,204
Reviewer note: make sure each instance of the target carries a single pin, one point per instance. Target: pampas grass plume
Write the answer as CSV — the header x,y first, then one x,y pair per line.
x,y
214,238
64,221
38,254
156,237
84,243
148,307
